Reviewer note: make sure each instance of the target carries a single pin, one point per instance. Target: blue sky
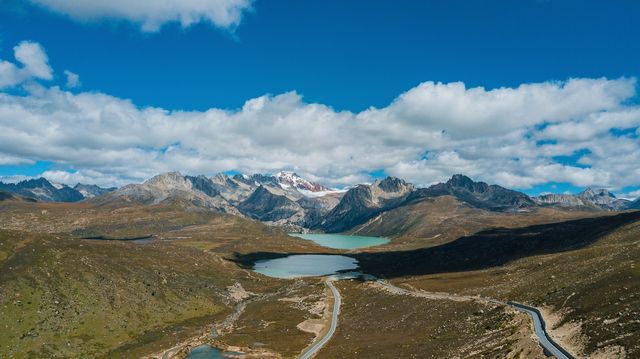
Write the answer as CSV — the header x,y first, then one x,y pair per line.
x,y
347,56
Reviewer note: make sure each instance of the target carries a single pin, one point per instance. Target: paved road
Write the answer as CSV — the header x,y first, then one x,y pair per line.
x,y
538,321
543,337
337,301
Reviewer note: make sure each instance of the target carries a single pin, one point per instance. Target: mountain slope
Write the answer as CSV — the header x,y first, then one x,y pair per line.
x,y
477,194
558,267
173,188
604,199
8,196
269,207
288,199
563,200
91,190
291,179
365,201
362,203
594,199
43,190
441,219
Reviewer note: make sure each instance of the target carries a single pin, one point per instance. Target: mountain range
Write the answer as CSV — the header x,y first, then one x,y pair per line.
x,y
287,199
590,198
43,190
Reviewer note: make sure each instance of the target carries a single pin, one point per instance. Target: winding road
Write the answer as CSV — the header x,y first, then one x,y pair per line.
x,y
548,344
543,337
337,301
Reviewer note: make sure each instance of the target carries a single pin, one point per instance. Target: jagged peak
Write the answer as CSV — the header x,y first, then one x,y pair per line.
x,y
261,191
261,188
167,177
286,173
198,177
393,184
221,176
171,174
592,192
460,180
291,179
40,181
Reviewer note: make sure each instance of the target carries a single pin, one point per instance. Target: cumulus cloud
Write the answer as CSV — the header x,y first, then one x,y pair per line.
x,y
153,14
33,64
510,136
82,176
73,79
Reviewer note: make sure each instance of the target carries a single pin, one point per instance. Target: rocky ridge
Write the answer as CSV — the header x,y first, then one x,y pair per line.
x,y
287,199
594,199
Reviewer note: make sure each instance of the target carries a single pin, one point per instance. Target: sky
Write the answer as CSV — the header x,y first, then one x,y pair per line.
x,y
536,95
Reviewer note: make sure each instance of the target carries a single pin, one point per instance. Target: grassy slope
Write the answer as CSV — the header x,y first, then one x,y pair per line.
x,y
60,297
378,324
594,288
64,296
441,219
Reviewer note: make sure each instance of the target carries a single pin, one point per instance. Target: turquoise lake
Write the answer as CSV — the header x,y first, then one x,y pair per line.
x,y
305,265
341,241
206,352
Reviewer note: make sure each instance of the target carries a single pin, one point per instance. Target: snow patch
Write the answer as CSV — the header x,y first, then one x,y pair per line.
x,y
317,194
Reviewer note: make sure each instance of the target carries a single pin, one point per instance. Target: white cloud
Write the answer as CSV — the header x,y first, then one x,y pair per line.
x,y
9,74
34,61
82,176
632,195
73,79
153,14
14,178
7,160
473,112
427,134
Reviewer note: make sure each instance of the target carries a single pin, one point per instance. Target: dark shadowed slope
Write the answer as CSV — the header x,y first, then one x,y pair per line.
x,y
494,247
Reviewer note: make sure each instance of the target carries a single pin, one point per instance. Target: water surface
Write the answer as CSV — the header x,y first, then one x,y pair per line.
x,y
305,265
206,352
341,241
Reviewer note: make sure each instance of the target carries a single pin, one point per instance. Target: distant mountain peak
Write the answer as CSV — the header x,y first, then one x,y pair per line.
x,y
394,185
43,190
174,175
291,179
256,179
460,178
264,205
594,198
35,182
92,190
600,192
464,182
168,180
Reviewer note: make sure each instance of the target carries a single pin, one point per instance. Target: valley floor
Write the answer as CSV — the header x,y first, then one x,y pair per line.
x,y
62,296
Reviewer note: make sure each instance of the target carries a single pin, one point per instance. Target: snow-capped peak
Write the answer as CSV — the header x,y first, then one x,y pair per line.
x,y
291,179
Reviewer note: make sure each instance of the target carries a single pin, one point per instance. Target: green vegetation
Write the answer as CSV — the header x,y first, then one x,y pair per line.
x,y
64,296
